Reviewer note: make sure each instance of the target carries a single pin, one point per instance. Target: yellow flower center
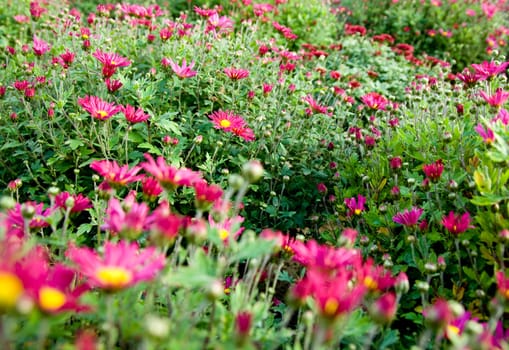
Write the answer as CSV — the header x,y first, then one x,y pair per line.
x,y
85,36
113,63
331,307
453,329
51,299
225,123
113,277
11,290
370,283
357,211
102,114
223,234
506,294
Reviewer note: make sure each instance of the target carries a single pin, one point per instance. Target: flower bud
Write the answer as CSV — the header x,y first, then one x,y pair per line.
x,y
236,181
27,211
252,171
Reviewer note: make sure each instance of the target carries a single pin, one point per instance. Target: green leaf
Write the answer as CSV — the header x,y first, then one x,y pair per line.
x,y
74,144
149,147
253,249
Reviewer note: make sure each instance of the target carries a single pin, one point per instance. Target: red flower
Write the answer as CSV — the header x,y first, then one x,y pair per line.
x,y
114,174
126,219
168,176
375,101
434,170
457,224
497,99
355,206
236,73
206,194
133,115
98,108
110,62
40,47
121,265
408,217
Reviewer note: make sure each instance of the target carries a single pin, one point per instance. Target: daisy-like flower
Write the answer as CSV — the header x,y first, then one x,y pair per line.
x,y
487,69
126,219
236,73
183,71
456,223
245,133
168,176
226,227
110,62
408,217
219,25
314,107
114,174
226,120
433,171
134,115
164,225
40,47
355,206
122,265
468,78
497,99
79,201
206,194
34,213
487,134
375,101
98,108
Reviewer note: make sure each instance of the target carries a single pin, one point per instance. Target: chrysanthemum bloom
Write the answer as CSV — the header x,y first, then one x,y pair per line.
x,y
502,116
487,134
226,120
203,12
243,324
383,310
110,62
13,273
121,265
112,85
408,217
497,99
184,71
438,315
40,47
151,188
225,228
488,70
375,101
236,73
98,108
433,171
114,174
168,176
164,225
396,163
219,25
503,285
468,78
134,115
314,107
245,133
457,224
66,59
206,194
355,206
31,212
127,219
311,254
375,278
79,202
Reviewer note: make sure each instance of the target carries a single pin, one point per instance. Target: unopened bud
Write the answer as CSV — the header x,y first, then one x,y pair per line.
x,y
252,171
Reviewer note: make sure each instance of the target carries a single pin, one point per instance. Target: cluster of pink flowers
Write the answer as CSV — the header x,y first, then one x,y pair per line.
x,y
232,123
102,110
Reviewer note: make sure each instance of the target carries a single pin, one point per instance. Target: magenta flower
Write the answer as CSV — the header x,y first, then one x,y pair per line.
x,y
126,219
226,120
375,101
151,187
497,99
236,73
39,46
355,206
468,78
134,115
15,223
503,116
314,107
433,171
457,224
98,108
121,265
183,71
168,176
206,194
408,217
219,25
487,134
110,62
164,225
79,201
114,174
487,69
383,310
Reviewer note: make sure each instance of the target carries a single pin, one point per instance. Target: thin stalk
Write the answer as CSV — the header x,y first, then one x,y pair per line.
x,y
210,328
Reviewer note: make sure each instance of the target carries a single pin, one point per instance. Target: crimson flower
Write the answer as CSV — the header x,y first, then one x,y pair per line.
x,y
110,62
206,194
79,201
114,174
40,47
183,71
383,310
98,108
169,176
151,187
236,73
121,265
355,206
126,219
487,134
457,224
134,115
497,99
35,213
408,217
468,78
314,106
434,170
487,69
503,284
375,101
164,225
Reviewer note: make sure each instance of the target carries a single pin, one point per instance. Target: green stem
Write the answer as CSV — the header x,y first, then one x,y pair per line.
x,y
210,329
110,322
4,334
458,253
42,334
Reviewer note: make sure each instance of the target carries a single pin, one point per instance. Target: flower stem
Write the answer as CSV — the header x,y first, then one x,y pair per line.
x,y
110,322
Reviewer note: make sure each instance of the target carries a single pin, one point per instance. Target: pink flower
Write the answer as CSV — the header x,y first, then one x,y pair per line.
x,y
408,217
112,85
204,12
39,46
110,62
228,229
151,188
126,219
133,115
497,99
236,73
243,324
314,106
98,108
79,202
168,176
355,206
226,120
375,101
433,171
164,225
383,310
488,70
34,213
219,25
184,71
114,174
121,265
66,59
503,284
503,116
206,194
487,134
457,224
396,163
